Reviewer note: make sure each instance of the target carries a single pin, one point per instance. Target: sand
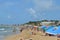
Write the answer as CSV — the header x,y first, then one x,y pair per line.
x,y
26,35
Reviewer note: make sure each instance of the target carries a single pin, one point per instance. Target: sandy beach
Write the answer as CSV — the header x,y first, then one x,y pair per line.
x,y
26,35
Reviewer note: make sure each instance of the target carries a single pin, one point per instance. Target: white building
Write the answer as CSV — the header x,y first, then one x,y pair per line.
x,y
47,23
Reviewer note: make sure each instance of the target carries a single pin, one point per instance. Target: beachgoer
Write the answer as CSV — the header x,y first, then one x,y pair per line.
x,y
46,34
30,39
58,35
21,29
20,39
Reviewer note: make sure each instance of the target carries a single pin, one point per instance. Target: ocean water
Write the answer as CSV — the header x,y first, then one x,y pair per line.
x,y
6,31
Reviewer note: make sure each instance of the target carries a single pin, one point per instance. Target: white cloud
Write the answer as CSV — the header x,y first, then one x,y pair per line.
x,y
9,17
43,5
32,12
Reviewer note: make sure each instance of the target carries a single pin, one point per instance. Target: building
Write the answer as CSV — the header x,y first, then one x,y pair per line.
x,y
47,23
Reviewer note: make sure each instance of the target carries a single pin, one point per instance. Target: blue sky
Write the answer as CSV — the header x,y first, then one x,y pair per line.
x,y
22,11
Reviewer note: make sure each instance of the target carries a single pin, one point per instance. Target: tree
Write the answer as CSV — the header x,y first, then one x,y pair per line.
x,y
56,21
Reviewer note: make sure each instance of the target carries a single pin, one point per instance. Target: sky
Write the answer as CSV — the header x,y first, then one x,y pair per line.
x,y
22,11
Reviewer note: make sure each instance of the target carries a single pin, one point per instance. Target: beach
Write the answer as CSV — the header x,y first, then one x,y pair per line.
x,y
26,35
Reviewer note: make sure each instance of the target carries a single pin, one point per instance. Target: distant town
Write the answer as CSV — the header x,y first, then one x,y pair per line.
x,y
36,23
43,22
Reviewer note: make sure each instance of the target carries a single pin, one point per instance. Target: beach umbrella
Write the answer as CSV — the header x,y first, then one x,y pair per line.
x,y
53,30
46,28
43,27
58,31
49,27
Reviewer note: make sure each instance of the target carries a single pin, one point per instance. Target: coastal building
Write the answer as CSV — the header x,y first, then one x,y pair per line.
x,y
47,23
58,23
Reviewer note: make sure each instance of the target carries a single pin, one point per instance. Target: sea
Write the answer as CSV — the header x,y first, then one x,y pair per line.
x,y
8,30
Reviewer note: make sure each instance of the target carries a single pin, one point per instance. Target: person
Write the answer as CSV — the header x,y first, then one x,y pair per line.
x,y
46,34
58,35
30,39
21,29
21,39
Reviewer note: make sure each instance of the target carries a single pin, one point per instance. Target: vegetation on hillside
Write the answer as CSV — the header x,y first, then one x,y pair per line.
x,y
38,22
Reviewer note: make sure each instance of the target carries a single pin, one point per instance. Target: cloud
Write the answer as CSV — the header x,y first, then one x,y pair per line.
x,y
44,5
40,7
32,12
9,17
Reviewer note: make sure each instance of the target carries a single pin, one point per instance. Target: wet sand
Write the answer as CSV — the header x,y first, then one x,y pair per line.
x,y
26,35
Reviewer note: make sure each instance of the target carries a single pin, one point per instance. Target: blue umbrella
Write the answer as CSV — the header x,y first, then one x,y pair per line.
x,y
49,27
53,30
43,27
46,28
58,31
